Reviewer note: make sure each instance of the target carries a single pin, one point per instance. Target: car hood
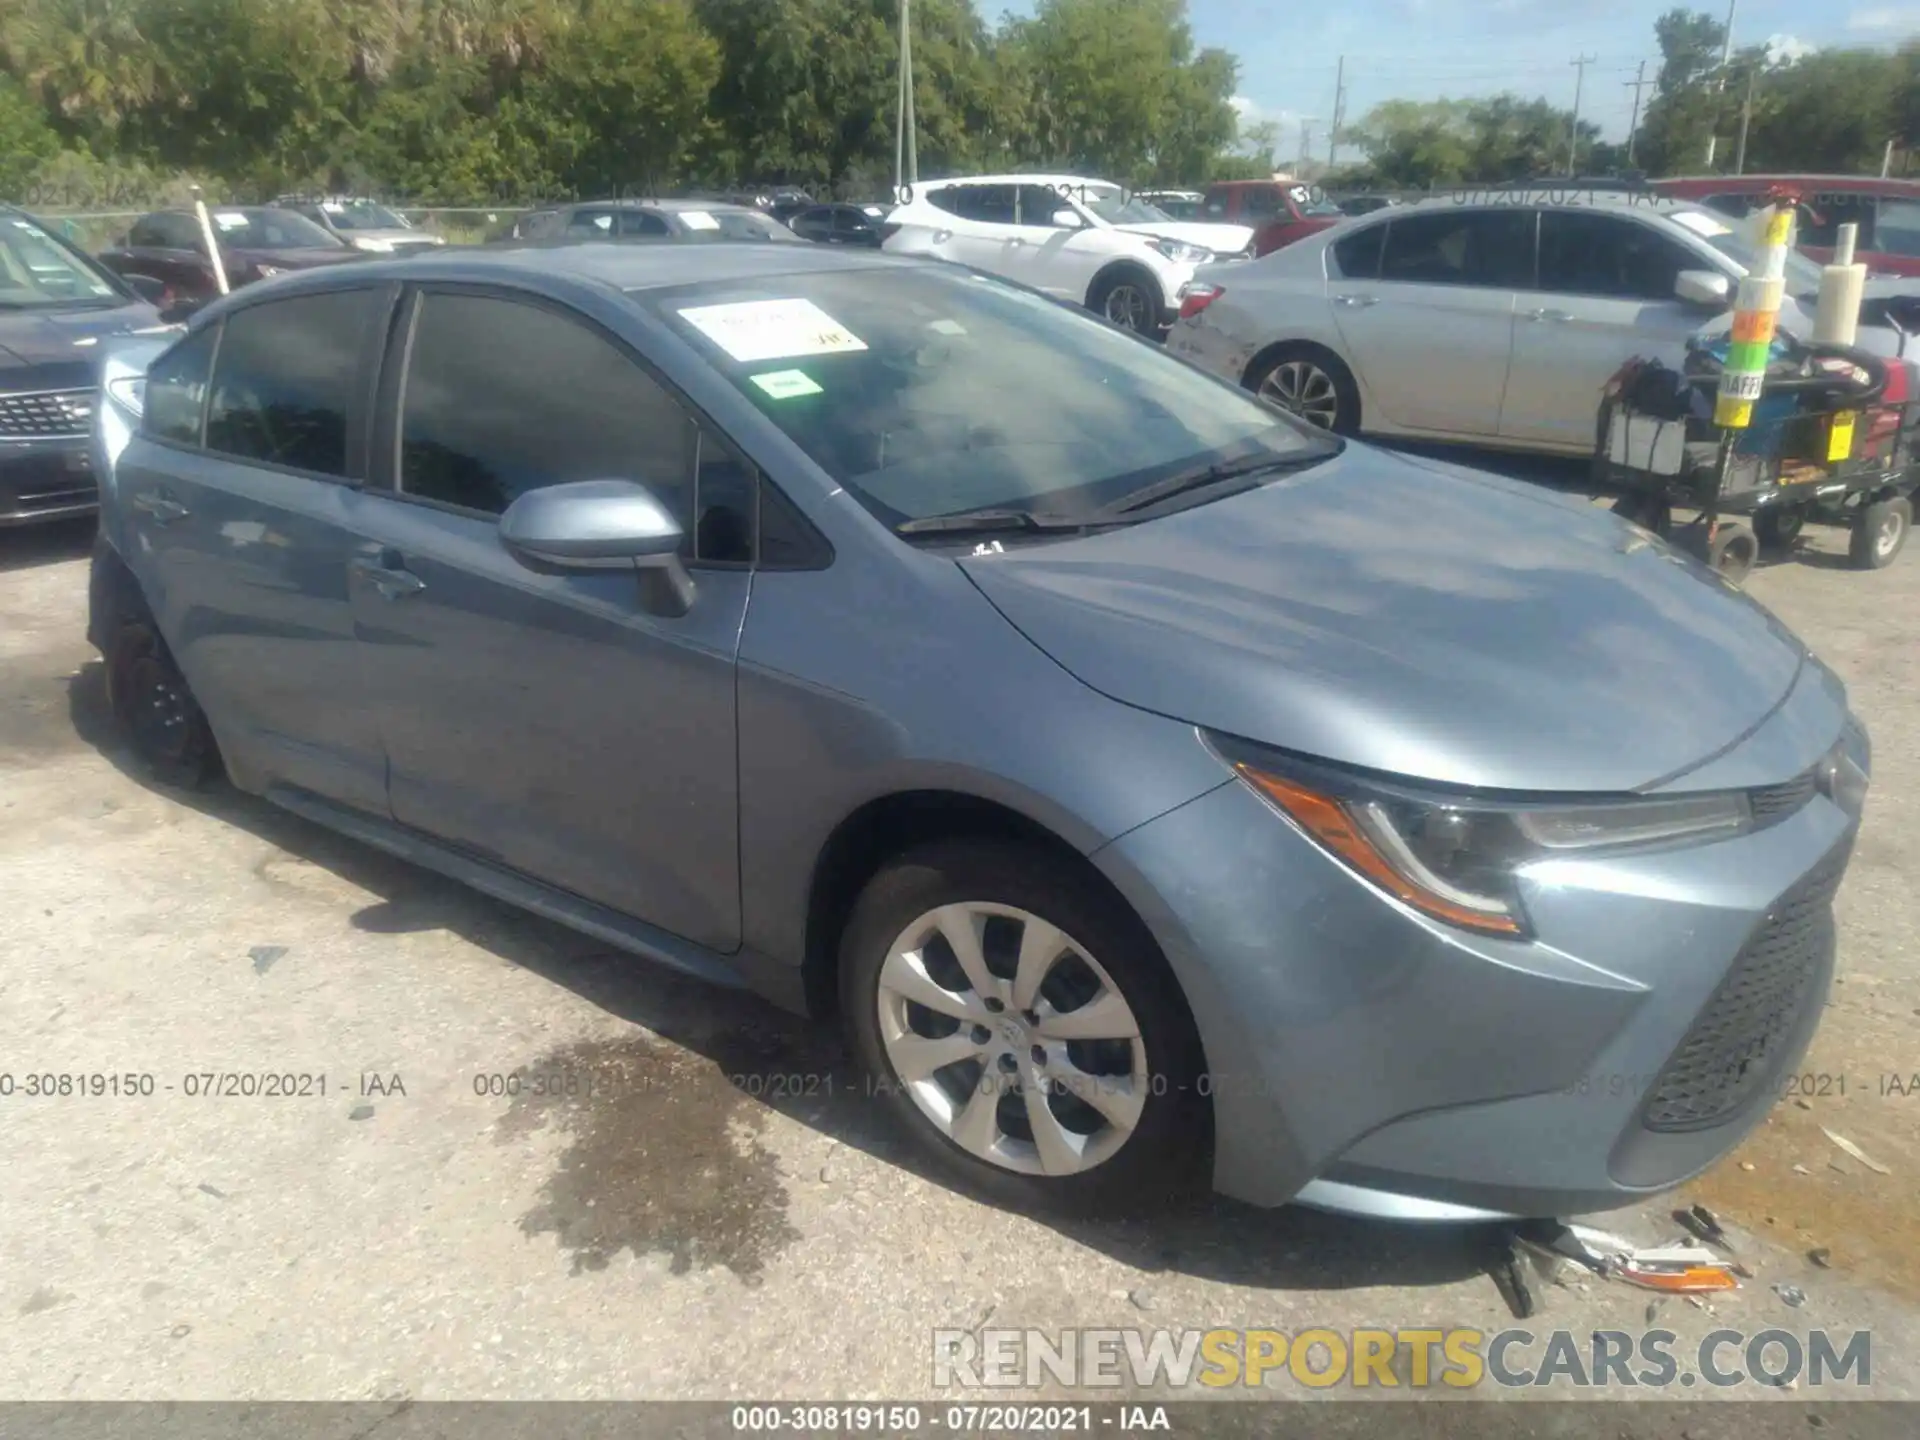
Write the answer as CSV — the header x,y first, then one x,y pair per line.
x,y
65,340
1412,618
400,239
1222,239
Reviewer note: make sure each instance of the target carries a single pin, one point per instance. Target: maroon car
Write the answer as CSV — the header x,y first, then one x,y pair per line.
x,y
255,242
1279,211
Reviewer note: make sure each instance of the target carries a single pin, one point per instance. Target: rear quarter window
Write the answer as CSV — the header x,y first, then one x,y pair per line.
x,y
176,390
1357,256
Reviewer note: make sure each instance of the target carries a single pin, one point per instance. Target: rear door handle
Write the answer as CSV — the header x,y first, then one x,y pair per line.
x,y
162,507
1357,302
392,580
1555,317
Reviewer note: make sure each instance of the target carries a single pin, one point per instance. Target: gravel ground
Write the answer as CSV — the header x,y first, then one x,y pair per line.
x,y
707,1228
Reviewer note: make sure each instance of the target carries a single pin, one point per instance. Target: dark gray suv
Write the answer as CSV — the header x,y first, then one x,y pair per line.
x,y
1154,786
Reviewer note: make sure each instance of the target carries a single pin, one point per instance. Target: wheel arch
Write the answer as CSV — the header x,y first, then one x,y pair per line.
x,y
889,825
1277,350
1125,265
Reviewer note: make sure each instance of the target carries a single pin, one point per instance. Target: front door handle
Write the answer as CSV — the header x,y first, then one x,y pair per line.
x,y
393,581
1554,317
163,508
1357,302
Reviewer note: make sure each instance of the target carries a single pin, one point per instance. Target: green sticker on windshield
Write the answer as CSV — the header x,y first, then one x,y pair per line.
x,y
786,384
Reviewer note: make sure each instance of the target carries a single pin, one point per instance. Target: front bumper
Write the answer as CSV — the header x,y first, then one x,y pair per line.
x,y
1366,1059
45,480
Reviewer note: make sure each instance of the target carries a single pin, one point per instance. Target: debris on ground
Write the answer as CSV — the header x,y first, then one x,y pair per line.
x,y
1513,1278
1801,1170
1703,1224
1791,1295
1672,1269
1855,1151
1821,1256
264,956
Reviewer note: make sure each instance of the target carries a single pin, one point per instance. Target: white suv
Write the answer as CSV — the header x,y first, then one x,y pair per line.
x,y
1080,240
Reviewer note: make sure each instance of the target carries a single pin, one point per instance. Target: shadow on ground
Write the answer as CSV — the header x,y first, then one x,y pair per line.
x,y
663,1153
27,547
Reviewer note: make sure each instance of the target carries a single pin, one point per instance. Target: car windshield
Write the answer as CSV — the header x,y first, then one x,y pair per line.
x,y
361,215
935,391
38,272
270,230
1803,276
740,225
1116,207
1308,200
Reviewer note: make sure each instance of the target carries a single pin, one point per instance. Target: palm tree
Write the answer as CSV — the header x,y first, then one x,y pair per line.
x,y
87,58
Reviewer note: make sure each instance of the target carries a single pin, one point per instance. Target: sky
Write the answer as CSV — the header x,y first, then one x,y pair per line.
x,y
1290,50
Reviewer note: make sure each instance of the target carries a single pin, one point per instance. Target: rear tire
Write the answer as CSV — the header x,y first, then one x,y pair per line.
x,y
156,710
1311,383
1732,551
1122,1122
1779,526
1880,533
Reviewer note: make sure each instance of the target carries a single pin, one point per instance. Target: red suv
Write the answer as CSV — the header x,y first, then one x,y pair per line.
x,y
1887,212
1280,211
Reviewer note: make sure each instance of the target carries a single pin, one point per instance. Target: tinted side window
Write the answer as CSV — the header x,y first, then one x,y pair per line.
x,y
1037,204
1468,247
1262,203
146,234
642,222
285,377
1898,229
176,390
954,199
503,397
590,223
1358,255
852,222
1582,253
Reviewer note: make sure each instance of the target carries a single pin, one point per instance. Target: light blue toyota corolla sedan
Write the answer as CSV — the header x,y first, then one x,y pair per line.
x,y
1157,790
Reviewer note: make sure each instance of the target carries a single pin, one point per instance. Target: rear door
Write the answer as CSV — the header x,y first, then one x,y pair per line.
x,y
1430,334
554,723
1605,294
243,517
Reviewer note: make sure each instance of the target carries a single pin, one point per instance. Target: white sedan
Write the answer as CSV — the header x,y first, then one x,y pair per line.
x,y
1492,323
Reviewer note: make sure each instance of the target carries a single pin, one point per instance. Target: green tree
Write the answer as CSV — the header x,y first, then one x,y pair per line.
x,y
26,140
90,61
1682,115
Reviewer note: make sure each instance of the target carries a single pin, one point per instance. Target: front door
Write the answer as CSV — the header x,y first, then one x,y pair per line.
x,y
1605,295
554,723
1432,336
242,517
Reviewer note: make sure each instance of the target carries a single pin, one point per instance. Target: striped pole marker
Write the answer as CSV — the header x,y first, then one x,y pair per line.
x,y
1756,316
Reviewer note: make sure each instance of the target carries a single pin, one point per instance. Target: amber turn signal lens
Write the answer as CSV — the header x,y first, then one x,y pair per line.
x,y
1327,821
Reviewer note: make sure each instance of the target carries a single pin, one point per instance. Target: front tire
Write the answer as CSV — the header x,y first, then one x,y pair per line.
x,y
1025,1029
1129,298
156,710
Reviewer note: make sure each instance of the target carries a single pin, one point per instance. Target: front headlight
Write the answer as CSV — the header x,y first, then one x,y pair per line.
x,y
1182,253
1458,858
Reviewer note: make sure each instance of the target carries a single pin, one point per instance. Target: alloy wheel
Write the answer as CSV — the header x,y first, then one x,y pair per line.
x,y
1127,305
1011,1040
1304,388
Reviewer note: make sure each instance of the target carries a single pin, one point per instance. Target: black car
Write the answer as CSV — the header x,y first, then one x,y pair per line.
x,y
655,220
56,306
841,224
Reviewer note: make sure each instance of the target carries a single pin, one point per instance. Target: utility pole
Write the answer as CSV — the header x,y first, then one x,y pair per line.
x,y
1720,85
1339,111
1746,119
1637,84
1306,142
906,164
1573,135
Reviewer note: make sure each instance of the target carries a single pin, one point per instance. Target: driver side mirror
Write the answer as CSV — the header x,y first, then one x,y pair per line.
x,y
1064,219
1708,289
601,525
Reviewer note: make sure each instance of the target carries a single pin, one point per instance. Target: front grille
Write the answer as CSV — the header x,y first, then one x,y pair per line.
x,y
1776,802
1734,1047
48,415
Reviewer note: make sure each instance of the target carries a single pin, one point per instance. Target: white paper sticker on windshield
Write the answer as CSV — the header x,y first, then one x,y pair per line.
x,y
230,220
772,329
946,327
698,220
1701,223
333,207
787,384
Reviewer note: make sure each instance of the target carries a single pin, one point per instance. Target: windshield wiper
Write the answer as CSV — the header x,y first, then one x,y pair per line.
x,y
968,522
1203,477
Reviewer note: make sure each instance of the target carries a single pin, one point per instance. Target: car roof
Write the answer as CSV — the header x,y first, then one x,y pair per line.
x,y
675,205
1020,179
1549,198
1751,181
625,267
